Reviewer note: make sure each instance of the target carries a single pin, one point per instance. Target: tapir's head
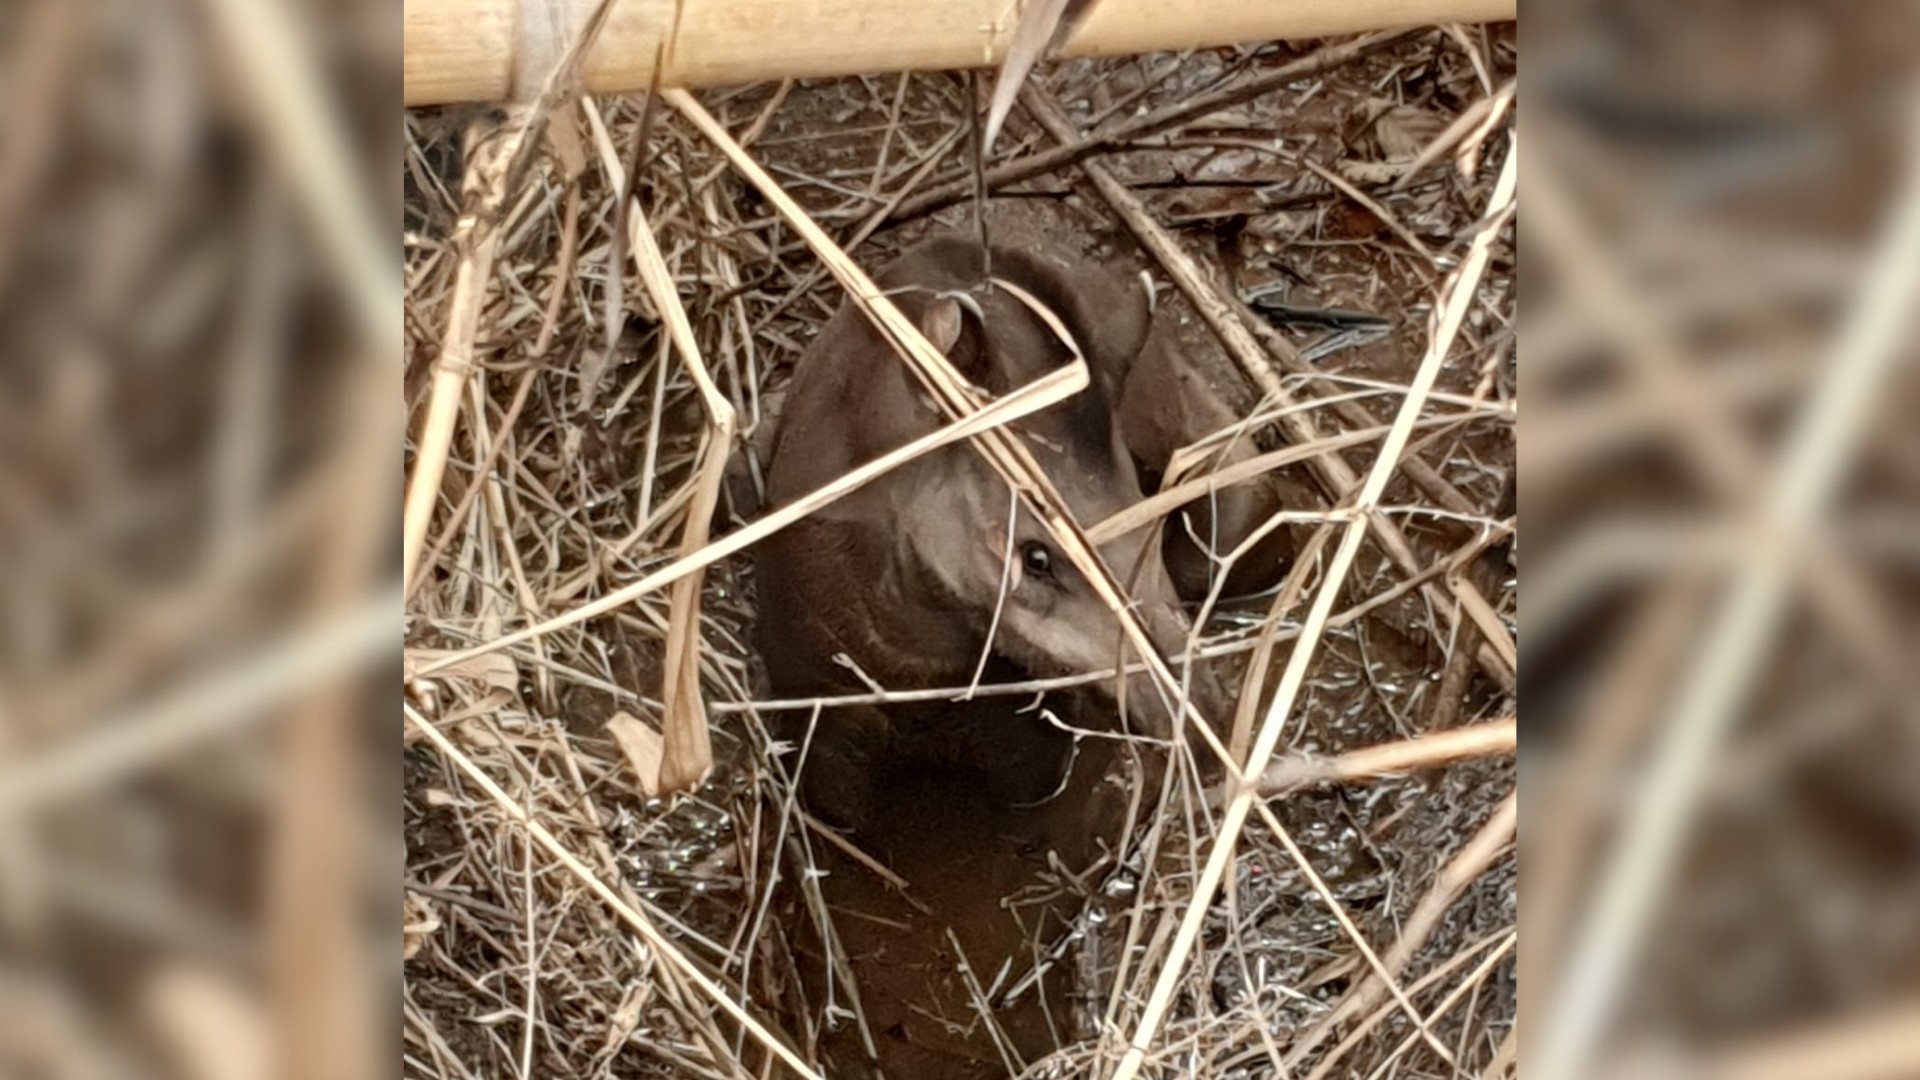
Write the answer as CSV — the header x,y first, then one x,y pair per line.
x,y
964,530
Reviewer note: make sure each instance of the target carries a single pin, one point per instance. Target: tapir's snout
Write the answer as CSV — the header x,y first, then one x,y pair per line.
x,y
1080,635
1152,710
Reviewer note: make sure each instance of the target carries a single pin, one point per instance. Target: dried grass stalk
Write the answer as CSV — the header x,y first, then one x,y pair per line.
x,y
1478,740
495,163
689,748
662,945
1458,297
1336,475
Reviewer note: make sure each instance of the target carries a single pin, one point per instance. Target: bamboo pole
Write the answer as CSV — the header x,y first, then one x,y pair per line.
x,y
475,50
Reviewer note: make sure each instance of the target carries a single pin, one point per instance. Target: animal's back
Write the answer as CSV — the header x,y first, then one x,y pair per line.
x,y
852,398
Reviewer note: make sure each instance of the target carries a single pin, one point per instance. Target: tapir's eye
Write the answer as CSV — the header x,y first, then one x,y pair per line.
x,y
1038,559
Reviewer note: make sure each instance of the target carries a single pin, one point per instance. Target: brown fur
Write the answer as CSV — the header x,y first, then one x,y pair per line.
x,y
904,576
1167,405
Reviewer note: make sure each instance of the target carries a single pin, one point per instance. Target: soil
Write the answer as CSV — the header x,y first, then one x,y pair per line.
x,y
926,963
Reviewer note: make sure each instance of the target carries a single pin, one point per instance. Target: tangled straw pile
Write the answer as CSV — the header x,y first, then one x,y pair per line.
x,y
566,918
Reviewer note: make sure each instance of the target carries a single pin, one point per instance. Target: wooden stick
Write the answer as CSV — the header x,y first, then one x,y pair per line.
x,y
1119,134
465,50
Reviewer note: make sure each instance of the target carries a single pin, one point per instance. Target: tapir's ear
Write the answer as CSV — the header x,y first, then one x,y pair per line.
x,y
953,328
942,322
1119,320
1105,307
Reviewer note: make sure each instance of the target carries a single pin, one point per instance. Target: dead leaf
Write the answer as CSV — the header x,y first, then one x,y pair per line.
x,y
687,756
644,748
1403,131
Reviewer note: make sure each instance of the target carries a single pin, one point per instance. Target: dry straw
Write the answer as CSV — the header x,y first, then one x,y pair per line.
x,y
537,829
1452,313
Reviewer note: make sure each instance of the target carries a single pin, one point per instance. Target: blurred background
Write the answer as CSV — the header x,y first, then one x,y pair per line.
x,y
1719,462
199,436
199,426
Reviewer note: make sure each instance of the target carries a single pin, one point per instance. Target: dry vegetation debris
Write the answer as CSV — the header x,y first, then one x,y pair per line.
x,y
1322,221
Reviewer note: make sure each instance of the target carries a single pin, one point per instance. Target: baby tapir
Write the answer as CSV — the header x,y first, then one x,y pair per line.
x,y
920,577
